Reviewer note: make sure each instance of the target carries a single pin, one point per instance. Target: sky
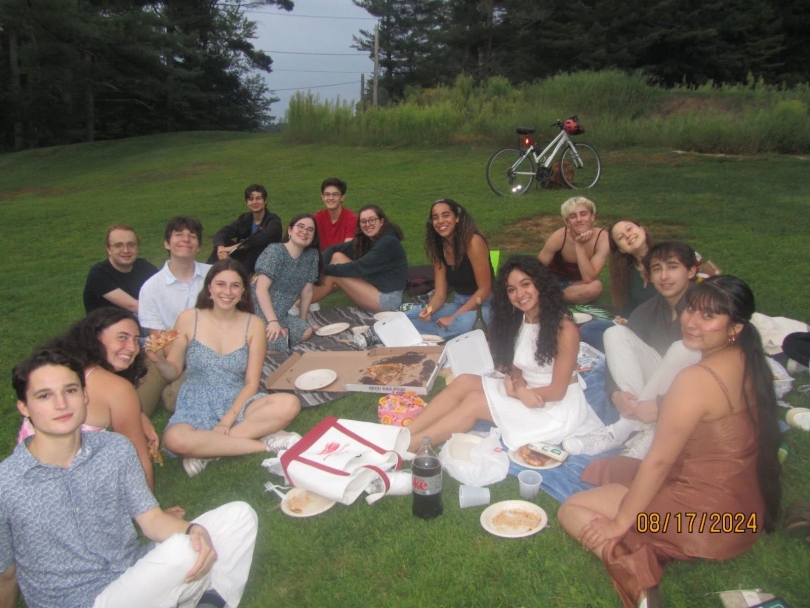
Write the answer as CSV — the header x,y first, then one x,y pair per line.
x,y
313,26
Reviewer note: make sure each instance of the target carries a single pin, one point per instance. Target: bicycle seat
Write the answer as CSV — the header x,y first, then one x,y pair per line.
x,y
525,130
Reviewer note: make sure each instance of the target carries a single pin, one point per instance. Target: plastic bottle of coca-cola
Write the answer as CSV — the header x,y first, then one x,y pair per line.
x,y
427,482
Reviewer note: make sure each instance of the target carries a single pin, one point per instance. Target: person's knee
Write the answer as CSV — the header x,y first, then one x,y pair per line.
x,y
307,335
616,335
175,553
176,441
286,405
466,383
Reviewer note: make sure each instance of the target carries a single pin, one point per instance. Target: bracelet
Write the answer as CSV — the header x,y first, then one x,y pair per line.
x,y
274,321
190,526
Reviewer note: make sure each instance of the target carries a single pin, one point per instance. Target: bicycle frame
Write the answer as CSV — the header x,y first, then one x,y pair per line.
x,y
544,159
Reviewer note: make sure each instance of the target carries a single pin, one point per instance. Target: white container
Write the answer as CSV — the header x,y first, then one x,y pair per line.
x,y
469,354
782,382
397,330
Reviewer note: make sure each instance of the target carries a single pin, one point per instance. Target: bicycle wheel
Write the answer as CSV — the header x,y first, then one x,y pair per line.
x,y
582,170
510,172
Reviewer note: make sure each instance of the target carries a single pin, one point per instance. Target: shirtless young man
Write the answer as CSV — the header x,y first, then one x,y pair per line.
x,y
577,253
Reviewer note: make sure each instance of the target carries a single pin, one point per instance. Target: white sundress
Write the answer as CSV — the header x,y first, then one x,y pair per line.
x,y
557,420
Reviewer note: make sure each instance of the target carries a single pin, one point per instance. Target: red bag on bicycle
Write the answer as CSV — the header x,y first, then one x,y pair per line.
x,y
572,127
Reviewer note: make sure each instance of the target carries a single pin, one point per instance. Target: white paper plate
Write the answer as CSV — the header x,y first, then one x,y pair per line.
x,y
582,317
315,379
431,338
315,505
507,531
516,458
382,315
331,330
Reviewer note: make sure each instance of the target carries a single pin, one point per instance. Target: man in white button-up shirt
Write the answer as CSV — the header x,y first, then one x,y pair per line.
x,y
165,295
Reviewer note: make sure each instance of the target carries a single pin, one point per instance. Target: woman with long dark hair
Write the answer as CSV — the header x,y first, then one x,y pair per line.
x,y
107,344
220,410
287,272
712,466
534,339
372,268
460,257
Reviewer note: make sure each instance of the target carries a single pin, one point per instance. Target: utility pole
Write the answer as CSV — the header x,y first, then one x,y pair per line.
x,y
376,62
363,92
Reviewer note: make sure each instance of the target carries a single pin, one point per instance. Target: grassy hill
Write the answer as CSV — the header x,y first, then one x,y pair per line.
x,y
748,214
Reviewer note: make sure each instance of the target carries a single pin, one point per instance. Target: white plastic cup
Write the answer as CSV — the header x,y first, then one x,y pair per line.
x,y
529,484
472,496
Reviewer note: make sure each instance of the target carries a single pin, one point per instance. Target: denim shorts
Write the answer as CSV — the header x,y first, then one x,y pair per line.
x,y
390,300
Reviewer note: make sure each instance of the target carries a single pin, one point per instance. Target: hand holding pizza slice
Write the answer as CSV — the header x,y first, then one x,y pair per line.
x,y
161,339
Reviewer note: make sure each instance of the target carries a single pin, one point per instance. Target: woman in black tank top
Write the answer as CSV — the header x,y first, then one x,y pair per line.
x,y
460,257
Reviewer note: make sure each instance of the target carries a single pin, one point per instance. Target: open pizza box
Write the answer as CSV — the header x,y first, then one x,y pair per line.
x,y
409,368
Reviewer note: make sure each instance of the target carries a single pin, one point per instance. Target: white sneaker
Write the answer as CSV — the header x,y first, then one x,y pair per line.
x,y
591,444
639,444
280,440
794,367
195,466
294,312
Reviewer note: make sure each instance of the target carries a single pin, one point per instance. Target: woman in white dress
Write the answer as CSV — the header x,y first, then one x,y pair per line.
x,y
535,341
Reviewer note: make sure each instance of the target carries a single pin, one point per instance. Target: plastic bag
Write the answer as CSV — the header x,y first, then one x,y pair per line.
x,y
475,461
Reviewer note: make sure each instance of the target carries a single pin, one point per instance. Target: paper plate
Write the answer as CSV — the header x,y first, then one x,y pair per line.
x,y
382,315
307,503
582,317
505,519
431,338
315,379
331,330
360,329
516,458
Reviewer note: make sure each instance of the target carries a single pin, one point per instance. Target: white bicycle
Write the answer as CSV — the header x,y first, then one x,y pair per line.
x,y
511,172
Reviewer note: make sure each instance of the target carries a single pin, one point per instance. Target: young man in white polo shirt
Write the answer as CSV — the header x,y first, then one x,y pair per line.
x,y
165,295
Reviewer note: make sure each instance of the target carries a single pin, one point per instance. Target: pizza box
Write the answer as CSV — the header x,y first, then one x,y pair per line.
x,y
469,354
351,369
397,330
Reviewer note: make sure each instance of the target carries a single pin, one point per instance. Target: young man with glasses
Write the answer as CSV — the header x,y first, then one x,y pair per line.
x,y
117,281
335,223
246,238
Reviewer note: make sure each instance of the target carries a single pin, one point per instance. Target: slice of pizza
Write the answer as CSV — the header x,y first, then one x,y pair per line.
x,y
161,339
385,373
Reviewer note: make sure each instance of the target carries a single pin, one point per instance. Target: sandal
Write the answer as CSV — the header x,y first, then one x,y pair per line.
x,y
797,520
799,417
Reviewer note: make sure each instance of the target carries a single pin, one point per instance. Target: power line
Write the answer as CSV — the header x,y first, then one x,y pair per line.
x,y
311,16
327,54
322,86
317,71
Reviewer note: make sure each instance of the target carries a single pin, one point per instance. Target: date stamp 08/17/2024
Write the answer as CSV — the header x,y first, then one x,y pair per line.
x,y
690,522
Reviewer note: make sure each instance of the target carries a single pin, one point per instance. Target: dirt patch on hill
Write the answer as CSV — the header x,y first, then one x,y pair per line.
x,y
528,235
40,191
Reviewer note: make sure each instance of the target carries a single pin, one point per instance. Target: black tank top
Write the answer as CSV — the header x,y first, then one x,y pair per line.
x,y
461,279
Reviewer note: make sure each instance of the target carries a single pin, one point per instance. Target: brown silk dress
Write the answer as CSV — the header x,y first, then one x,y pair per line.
x,y
716,475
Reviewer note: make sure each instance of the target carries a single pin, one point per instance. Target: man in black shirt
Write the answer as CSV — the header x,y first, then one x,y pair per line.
x,y
644,356
246,238
117,280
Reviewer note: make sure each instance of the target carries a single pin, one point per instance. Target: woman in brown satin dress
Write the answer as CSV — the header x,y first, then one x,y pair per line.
x,y
710,482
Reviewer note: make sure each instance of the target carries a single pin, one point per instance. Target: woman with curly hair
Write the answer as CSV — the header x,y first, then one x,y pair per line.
x,y
107,344
534,339
714,452
372,268
460,257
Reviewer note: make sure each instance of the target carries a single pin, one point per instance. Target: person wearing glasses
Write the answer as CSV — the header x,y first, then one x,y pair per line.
x,y
335,223
117,281
245,238
286,272
371,268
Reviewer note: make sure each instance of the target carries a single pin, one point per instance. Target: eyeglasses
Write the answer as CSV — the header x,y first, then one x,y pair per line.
x,y
122,246
370,221
304,228
332,195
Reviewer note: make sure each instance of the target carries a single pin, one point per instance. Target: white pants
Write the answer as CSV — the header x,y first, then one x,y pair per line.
x,y
157,579
637,368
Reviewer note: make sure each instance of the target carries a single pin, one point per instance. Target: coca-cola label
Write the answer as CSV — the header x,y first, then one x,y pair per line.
x,y
427,486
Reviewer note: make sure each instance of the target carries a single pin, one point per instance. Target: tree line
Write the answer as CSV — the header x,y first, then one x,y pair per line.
x,y
81,70
425,43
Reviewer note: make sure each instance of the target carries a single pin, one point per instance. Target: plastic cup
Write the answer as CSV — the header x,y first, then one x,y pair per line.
x,y
472,496
529,484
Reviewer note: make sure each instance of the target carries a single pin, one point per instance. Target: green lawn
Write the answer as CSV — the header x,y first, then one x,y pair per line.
x,y
747,214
